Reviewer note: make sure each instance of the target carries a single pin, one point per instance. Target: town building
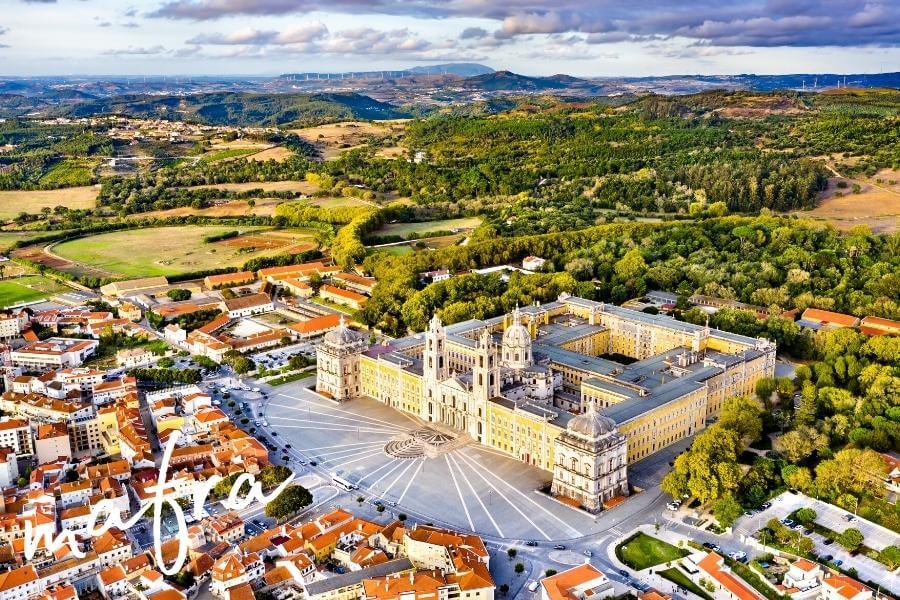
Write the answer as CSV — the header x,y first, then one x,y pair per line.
x,y
227,280
133,286
542,384
245,306
584,582
354,282
53,353
343,297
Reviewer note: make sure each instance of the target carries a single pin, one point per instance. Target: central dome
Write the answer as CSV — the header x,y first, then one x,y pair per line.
x,y
342,335
591,424
516,335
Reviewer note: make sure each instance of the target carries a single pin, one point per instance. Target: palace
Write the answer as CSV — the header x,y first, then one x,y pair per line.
x,y
575,387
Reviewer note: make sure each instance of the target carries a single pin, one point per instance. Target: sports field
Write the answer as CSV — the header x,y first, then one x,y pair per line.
x,y
175,250
14,202
405,229
27,289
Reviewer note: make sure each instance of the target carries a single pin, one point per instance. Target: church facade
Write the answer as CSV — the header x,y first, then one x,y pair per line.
x,y
543,384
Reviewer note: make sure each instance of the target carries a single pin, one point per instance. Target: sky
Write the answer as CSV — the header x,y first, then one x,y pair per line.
x,y
578,37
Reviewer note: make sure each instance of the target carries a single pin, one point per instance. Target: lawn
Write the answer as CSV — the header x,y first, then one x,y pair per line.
x,y
642,551
405,229
28,289
8,238
167,250
679,578
14,202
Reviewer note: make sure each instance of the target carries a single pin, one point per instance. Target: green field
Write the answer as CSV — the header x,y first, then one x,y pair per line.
x,y
166,250
70,172
14,202
679,578
641,551
8,238
228,153
405,229
28,289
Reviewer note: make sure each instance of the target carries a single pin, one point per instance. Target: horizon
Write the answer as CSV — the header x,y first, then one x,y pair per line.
x,y
264,38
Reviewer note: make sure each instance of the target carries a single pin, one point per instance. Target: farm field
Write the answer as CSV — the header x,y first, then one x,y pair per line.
x,y
8,238
28,289
876,205
405,229
338,202
236,208
334,138
304,187
14,202
278,154
175,250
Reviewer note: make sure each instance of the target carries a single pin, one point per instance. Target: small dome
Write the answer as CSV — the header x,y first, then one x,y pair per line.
x,y
591,424
342,335
516,335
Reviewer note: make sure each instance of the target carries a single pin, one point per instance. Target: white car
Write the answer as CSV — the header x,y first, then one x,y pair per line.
x,y
256,389
265,423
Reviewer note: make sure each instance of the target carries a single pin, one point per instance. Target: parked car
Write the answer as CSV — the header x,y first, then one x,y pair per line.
x,y
588,553
828,541
559,547
624,573
766,505
531,543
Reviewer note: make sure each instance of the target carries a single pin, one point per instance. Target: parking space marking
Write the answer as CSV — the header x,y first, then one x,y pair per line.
x,y
462,474
338,446
462,499
355,419
369,454
374,483
411,479
575,532
399,477
511,503
381,421
348,428
347,452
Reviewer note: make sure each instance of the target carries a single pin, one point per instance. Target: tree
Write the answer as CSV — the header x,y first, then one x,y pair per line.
x,y
272,475
765,387
165,362
519,568
799,444
743,416
809,406
727,510
290,501
504,589
851,538
890,556
851,471
798,478
805,545
179,294
511,553
806,515
242,365
709,469
630,266
549,572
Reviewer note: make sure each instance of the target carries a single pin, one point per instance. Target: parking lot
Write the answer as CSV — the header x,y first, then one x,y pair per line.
x,y
277,358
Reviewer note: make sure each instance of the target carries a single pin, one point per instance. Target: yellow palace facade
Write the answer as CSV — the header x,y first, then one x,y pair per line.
x,y
537,383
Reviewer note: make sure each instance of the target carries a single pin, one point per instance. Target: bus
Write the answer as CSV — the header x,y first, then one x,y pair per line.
x,y
342,483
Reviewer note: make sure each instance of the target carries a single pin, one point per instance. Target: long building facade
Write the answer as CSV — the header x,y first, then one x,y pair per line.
x,y
540,384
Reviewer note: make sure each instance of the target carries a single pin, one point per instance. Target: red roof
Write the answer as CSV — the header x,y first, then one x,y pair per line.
x,y
317,324
712,564
826,316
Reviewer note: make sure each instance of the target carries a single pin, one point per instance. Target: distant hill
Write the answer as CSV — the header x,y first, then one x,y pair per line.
x,y
240,108
461,69
508,81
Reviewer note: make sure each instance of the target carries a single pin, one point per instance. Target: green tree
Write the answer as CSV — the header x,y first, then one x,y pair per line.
x,y
743,416
809,406
709,469
798,478
630,266
765,387
179,294
290,501
511,553
850,538
799,444
519,568
727,510
806,515
851,471
890,556
242,365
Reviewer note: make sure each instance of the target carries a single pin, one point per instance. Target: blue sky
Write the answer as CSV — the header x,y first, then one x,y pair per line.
x,y
580,37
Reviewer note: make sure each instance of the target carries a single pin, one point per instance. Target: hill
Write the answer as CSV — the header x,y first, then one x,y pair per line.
x,y
243,109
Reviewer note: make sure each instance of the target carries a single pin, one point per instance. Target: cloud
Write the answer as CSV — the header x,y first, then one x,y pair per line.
x,y
473,33
104,24
136,51
758,23
130,25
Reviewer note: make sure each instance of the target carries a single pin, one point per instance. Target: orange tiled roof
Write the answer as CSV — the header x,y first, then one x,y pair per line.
x,y
827,316
316,324
712,565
